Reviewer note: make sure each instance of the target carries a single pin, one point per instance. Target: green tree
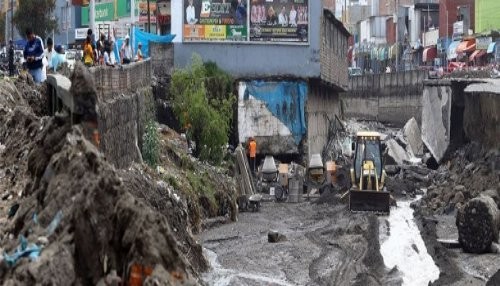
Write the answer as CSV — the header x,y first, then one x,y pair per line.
x,y
203,105
36,15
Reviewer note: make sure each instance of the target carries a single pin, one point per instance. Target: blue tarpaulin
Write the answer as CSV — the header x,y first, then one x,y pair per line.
x,y
144,38
285,100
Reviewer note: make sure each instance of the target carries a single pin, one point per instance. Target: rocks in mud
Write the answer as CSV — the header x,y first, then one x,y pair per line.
x,y
413,136
396,153
274,236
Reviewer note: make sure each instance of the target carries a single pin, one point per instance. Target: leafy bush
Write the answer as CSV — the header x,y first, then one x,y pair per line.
x,y
203,102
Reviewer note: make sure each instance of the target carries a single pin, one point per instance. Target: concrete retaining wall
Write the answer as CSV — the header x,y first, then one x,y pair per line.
x,y
322,105
391,98
481,117
124,101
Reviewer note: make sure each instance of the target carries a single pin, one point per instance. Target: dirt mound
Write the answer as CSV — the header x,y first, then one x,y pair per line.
x,y
102,228
35,95
18,128
160,196
470,171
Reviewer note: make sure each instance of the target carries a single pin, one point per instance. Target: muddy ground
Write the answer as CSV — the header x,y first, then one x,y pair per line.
x,y
324,245
327,245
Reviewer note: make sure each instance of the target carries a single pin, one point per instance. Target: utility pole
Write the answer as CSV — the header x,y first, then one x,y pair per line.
x,y
12,20
396,12
92,16
149,18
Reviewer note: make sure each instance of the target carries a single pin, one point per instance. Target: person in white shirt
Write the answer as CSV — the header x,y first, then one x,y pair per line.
x,y
293,17
49,52
191,14
282,19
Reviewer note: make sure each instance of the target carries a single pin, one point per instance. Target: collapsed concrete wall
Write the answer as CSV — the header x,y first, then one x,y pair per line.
x,y
391,98
481,117
436,113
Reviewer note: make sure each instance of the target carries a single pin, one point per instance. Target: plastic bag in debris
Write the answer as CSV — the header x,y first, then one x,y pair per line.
x,y
23,250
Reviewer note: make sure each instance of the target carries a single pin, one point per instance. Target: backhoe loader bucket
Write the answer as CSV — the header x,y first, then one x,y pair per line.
x,y
369,201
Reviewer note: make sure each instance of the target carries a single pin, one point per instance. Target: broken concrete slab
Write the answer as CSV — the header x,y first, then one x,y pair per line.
x,y
436,112
396,152
413,136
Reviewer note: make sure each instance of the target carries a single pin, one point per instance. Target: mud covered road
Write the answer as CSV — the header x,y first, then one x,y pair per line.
x,y
324,245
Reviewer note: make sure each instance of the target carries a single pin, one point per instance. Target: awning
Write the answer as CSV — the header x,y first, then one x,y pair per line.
x,y
491,47
452,50
429,54
467,46
477,54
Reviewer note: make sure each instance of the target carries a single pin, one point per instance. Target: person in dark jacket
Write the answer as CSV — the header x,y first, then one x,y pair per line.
x,y
33,53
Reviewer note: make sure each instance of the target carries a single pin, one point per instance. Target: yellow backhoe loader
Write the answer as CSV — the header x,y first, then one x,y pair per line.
x,y
367,193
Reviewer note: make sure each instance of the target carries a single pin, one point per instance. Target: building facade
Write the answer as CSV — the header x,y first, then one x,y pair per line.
x,y
288,68
487,15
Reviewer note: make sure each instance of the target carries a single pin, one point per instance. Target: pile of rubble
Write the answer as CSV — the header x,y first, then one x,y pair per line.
x,y
75,219
471,171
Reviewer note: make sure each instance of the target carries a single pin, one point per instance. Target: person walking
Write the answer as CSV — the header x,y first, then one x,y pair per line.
x,y
33,54
252,152
88,53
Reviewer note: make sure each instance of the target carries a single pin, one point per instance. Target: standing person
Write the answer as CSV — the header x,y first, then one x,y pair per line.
x,y
88,52
100,49
126,51
252,152
107,57
49,51
241,13
58,58
93,43
293,17
11,58
139,57
282,18
191,14
111,52
33,53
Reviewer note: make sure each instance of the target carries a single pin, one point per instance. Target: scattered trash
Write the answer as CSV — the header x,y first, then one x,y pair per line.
x,y
23,250
54,223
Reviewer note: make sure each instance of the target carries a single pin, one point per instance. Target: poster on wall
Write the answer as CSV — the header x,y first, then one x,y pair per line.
x,y
279,20
215,20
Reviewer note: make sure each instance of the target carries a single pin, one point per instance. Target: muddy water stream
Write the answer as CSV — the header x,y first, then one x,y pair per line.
x,y
220,276
402,246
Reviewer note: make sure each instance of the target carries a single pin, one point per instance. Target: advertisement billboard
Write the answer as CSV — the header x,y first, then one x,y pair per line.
x,y
215,20
279,21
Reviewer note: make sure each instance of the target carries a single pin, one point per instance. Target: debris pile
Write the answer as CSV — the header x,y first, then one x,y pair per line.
x,y
471,171
74,219
101,227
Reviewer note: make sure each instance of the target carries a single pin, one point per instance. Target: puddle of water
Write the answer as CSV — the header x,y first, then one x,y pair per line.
x,y
405,248
220,276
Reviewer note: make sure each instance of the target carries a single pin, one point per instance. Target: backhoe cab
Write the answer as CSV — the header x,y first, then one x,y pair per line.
x,y
367,193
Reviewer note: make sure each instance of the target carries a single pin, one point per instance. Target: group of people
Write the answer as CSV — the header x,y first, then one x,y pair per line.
x,y
40,60
291,18
102,52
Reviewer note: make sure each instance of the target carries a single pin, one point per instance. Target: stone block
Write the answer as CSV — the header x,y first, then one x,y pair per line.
x,y
396,152
413,137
